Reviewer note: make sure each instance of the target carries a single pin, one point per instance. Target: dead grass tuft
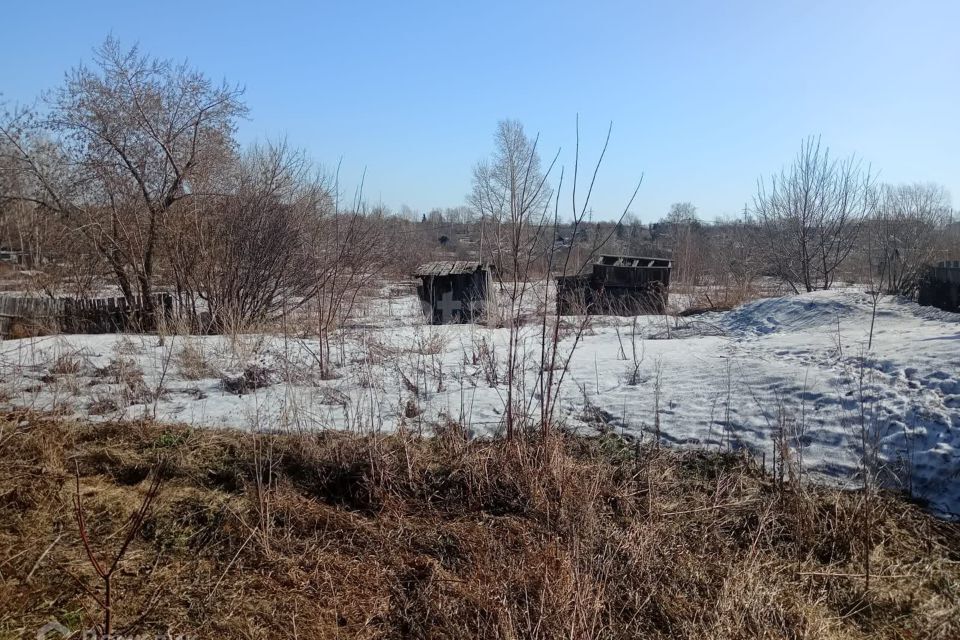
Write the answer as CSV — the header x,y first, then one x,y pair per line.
x,y
193,362
66,365
720,297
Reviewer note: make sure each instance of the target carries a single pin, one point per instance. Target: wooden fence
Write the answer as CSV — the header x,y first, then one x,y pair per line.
x,y
23,317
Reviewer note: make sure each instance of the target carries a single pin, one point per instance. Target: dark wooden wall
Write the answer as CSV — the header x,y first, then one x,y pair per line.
x,y
941,287
614,290
471,292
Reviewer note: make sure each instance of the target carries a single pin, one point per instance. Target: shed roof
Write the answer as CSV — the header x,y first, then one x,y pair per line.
x,y
448,268
639,262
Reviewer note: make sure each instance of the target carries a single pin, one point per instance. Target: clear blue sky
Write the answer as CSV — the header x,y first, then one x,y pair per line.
x,y
704,96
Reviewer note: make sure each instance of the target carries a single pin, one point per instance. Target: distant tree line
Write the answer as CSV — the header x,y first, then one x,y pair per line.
x,y
129,176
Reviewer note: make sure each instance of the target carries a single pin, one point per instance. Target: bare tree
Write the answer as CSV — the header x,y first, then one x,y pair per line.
x,y
124,143
682,236
810,215
681,213
907,233
511,195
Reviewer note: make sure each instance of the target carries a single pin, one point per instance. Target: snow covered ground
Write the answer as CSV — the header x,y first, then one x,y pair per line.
x,y
798,364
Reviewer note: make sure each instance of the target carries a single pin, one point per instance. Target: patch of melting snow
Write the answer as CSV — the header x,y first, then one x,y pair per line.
x,y
727,380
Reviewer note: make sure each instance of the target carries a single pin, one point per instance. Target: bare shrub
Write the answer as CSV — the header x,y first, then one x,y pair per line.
x,y
637,354
119,370
430,341
684,237
21,328
721,297
125,346
512,193
485,355
375,351
246,257
107,564
126,373
351,250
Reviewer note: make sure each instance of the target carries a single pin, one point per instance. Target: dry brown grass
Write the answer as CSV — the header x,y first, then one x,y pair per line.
x,y
702,299
66,365
21,328
193,362
332,535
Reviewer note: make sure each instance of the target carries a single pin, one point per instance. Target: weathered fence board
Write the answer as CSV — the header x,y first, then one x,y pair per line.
x,y
21,317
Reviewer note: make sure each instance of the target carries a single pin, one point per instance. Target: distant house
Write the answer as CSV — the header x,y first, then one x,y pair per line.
x,y
617,285
941,286
453,292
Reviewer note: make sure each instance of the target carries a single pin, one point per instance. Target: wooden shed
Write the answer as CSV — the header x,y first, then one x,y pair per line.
x,y
941,286
454,292
617,285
